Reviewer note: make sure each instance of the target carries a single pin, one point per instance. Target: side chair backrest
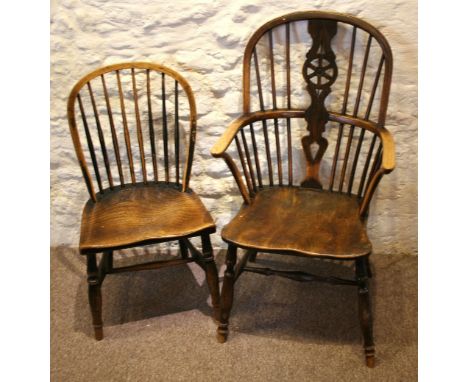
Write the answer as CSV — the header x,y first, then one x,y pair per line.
x,y
335,71
133,123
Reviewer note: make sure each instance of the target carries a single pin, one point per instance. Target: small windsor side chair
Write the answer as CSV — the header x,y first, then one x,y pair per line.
x,y
321,215
120,107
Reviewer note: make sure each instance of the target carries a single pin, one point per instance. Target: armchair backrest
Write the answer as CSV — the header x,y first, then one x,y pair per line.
x,y
335,71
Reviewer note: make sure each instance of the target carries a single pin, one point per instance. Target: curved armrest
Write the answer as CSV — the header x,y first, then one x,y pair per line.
x,y
388,146
220,147
223,143
388,150
387,165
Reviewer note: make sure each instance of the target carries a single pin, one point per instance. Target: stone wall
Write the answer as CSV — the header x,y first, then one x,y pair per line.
x,y
204,40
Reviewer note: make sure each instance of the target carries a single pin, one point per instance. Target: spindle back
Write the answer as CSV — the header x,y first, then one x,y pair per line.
x,y
331,69
138,124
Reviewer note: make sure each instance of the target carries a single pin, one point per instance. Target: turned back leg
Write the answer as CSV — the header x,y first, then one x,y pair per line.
x,y
227,294
211,275
365,314
94,295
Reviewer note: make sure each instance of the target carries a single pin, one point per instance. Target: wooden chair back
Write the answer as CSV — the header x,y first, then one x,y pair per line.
x,y
334,70
137,122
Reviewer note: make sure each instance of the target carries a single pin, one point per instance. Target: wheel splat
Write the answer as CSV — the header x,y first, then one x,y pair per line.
x,y
320,72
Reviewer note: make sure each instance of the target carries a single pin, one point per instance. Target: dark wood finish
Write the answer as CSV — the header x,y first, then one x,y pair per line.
x,y
140,214
344,107
94,295
137,209
303,221
183,249
325,214
365,314
227,294
124,123
138,126
319,77
211,275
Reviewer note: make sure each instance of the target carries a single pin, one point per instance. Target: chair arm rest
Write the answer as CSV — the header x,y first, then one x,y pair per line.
x,y
388,147
387,165
223,143
388,150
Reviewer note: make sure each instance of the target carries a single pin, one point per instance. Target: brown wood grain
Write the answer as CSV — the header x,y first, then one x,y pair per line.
x,y
137,213
305,221
292,220
142,214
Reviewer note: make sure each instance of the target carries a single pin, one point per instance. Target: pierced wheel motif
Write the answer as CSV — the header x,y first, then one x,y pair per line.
x,y
321,72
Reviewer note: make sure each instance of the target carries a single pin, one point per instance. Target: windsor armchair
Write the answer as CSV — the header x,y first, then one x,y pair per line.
x,y
139,192
287,79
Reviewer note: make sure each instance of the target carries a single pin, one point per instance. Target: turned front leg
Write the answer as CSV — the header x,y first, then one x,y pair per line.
x,y
212,278
94,295
365,314
227,294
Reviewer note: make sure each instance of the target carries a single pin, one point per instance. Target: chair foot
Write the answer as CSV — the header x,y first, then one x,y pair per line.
x,y
370,361
222,333
98,333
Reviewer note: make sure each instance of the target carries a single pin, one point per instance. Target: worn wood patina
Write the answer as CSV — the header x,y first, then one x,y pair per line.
x,y
138,195
322,214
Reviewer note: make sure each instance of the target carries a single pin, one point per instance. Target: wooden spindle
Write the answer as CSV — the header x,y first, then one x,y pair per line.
x,y
343,108
101,137
176,132
346,156
264,122
259,84
288,92
288,66
115,141
278,153
255,151
290,163
267,150
361,136
273,95
151,126
244,168
366,166
165,132
272,69
138,125
125,126
249,162
377,161
363,74
375,165
90,143
374,88
355,112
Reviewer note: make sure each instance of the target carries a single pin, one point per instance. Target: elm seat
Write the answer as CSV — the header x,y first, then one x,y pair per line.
x,y
138,214
304,221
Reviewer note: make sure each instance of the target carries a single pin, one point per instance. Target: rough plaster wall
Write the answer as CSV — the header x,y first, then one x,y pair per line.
x,y
204,40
